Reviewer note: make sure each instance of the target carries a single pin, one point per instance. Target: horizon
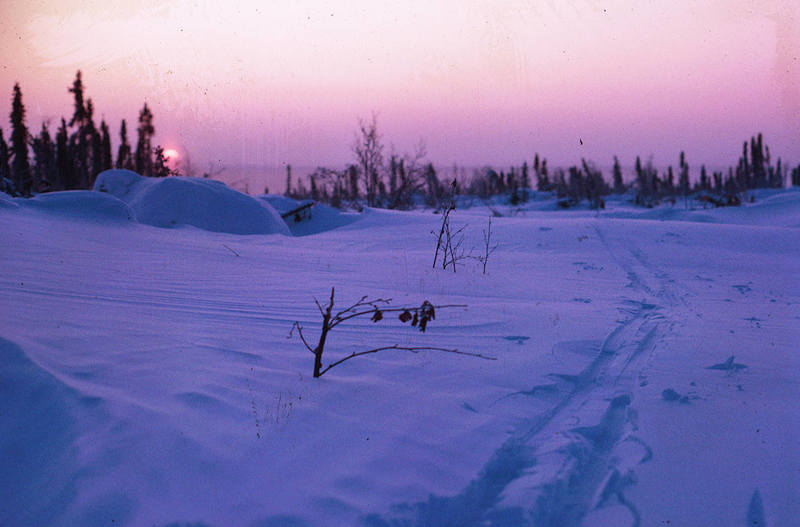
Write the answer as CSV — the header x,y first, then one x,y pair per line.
x,y
479,85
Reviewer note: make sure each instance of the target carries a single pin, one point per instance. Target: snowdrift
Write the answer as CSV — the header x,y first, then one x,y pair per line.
x,y
323,217
646,372
83,205
203,203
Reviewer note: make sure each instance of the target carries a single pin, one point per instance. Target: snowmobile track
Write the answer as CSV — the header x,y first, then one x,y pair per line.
x,y
553,473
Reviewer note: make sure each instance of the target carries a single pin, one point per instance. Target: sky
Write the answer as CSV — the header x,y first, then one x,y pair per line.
x,y
270,83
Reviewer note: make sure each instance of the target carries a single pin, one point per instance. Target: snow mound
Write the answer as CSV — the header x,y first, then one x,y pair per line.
x,y
203,203
7,202
322,217
38,434
82,205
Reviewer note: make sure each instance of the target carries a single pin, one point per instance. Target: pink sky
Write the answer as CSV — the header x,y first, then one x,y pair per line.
x,y
478,82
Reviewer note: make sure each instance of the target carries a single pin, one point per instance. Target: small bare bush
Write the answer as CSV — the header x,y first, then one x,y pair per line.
x,y
376,308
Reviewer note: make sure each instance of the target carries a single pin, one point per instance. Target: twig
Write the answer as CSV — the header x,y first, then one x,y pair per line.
x,y
412,349
487,236
300,332
231,250
338,320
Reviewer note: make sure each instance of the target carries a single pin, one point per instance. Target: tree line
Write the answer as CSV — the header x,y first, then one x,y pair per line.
x,y
404,181
34,163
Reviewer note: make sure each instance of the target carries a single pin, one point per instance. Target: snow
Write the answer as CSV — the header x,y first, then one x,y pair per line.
x,y
320,218
203,203
647,368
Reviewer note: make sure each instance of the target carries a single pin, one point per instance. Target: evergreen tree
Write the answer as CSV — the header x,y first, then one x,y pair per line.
x,y
704,183
79,141
747,168
144,149
776,175
435,190
545,178
795,175
619,186
540,169
105,147
124,157
66,172
94,141
45,168
79,114
683,180
526,182
5,168
669,184
160,168
288,181
393,180
20,166
641,183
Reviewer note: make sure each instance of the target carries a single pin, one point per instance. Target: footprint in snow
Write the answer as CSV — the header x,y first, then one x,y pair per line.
x,y
728,366
755,511
672,396
519,339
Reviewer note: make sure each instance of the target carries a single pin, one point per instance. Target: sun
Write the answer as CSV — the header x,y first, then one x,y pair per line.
x,y
170,154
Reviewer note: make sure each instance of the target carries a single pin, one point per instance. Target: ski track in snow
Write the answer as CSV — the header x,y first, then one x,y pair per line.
x,y
552,473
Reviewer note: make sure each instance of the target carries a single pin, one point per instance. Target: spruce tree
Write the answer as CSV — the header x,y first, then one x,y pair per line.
x,y
619,186
79,113
704,183
795,176
144,149
670,183
526,182
94,142
65,179
45,168
124,157
393,181
160,168
80,141
20,166
5,169
683,180
105,147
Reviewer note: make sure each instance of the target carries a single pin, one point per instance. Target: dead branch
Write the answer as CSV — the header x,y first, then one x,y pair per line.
x,y
412,349
419,317
487,250
302,337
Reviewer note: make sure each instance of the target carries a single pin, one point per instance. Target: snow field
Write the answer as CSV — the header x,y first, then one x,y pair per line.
x,y
148,378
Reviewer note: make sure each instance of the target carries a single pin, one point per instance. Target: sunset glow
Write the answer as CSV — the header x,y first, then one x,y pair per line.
x,y
171,155
478,82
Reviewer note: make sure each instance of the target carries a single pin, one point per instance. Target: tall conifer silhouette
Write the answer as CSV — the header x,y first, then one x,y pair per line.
x,y
20,166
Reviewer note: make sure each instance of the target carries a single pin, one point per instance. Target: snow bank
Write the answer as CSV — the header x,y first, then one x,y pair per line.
x,y
82,205
38,434
139,387
323,217
203,203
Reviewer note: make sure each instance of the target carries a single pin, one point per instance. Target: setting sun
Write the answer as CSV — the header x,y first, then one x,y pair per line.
x,y
171,154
